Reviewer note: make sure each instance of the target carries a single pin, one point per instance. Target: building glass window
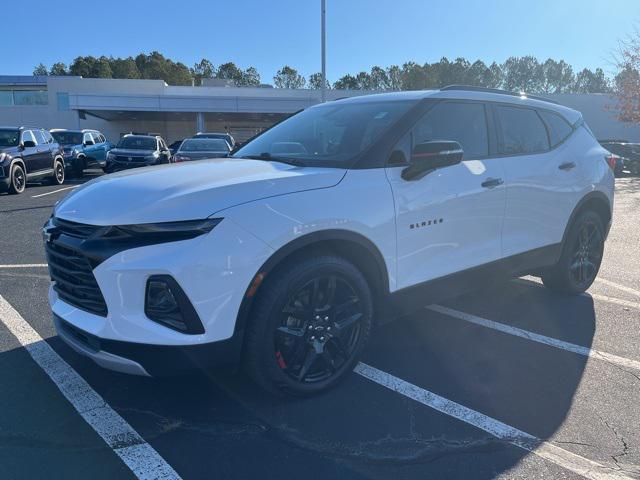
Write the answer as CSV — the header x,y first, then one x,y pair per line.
x,y
6,98
30,97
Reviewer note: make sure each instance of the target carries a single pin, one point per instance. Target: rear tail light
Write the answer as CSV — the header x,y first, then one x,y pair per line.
x,y
612,160
180,158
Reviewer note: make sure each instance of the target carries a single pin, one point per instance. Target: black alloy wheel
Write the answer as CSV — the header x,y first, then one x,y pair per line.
x,y
581,256
309,325
58,173
18,179
319,329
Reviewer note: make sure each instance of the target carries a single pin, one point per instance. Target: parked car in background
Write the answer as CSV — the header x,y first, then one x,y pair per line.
x,y
137,151
173,148
338,217
82,149
628,153
27,154
200,148
224,136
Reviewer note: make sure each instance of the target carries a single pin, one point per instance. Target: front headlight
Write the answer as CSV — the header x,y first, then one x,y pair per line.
x,y
4,156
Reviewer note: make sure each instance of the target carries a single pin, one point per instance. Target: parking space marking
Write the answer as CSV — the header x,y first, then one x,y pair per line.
x,y
25,265
604,298
559,456
141,458
536,337
609,283
55,191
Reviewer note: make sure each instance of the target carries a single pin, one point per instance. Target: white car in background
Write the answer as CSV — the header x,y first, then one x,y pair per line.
x,y
284,255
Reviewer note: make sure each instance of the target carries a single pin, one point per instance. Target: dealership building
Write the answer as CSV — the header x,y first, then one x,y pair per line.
x,y
116,107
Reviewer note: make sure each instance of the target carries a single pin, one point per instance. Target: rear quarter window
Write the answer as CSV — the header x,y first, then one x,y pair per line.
x,y
559,128
520,131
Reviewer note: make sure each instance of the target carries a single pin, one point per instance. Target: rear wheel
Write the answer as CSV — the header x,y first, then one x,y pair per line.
x,y
18,179
310,324
58,173
581,256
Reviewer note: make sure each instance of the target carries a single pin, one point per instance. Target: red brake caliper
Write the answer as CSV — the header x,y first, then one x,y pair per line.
x,y
281,362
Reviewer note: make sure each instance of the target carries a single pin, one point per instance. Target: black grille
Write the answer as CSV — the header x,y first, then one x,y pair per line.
x,y
71,271
129,158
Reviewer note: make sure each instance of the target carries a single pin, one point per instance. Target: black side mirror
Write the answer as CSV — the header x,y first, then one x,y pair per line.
x,y
88,143
429,156
28,144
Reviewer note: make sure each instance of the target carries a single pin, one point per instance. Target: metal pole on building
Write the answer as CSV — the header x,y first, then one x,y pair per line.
x,y
324,52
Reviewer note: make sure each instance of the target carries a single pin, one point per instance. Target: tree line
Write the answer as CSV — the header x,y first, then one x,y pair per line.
x,y
526,74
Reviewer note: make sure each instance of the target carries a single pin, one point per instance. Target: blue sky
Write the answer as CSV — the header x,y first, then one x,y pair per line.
x,y
361,33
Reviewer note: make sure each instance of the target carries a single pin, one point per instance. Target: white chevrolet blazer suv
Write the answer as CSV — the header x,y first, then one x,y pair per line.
x,y
284,256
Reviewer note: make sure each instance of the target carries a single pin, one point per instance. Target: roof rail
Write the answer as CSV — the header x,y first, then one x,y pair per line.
x,y
30,127
470,88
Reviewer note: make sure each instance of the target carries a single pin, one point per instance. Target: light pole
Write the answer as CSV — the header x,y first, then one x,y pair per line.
x,y
323,89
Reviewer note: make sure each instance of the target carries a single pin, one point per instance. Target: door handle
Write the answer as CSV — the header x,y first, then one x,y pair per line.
x,y
492,182
567,165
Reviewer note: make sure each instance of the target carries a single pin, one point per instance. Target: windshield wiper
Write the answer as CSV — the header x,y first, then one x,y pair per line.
x,y
266,156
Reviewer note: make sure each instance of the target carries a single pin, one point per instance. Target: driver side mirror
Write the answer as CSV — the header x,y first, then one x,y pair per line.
x,y
429,156
28,144
88,143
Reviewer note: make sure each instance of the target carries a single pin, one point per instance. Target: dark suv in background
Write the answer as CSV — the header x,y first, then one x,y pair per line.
x,y
137,151
82,149
26,154
629,154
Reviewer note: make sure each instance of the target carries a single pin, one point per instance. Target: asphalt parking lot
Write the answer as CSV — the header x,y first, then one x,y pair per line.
x,y
507,382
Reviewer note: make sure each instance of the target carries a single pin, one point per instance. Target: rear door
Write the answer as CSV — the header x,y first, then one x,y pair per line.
x,y
44,156
542,176
451,219
30,154
100,147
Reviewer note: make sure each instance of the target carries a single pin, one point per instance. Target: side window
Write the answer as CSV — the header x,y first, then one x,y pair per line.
x,y
28,136
47,136
102,139
40,140
87,138
520,131
96,137
465,123
559,128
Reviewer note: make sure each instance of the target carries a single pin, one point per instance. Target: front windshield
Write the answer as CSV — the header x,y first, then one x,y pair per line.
x,y
204,145
9,138
67,138
330,134
137,143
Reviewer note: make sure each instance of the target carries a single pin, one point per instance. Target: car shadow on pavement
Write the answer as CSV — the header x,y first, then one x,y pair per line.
x,y
360,429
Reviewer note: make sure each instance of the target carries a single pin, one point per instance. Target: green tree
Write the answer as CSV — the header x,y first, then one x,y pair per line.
x,y
102,68
379,79
203,69
250,78
124,68
523,74
394,76
83,66
348,82
414,76
591,82
41,69
58,69
288,77
315,81
558,77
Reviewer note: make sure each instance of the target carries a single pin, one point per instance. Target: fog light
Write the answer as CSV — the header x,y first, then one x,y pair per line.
x,y
166,303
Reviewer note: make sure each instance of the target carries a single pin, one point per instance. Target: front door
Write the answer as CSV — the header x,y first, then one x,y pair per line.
x,y
451,219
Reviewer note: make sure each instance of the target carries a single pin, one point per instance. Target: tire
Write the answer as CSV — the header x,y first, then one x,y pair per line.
x,y
58,173
581,257
18,179
301,346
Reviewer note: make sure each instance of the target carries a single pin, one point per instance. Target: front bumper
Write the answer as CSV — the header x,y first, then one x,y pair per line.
x,y
215,284
150,360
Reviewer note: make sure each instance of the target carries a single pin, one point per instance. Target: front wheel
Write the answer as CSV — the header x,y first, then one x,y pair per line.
x,y
18,180
581,257
309,326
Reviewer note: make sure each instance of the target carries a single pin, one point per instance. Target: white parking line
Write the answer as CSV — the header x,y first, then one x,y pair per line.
x,y
536,337
54,191
632,291
138,455
26,265
563,458
604,298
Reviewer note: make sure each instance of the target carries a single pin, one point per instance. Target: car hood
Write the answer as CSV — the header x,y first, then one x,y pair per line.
x,y
187,191
10,150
